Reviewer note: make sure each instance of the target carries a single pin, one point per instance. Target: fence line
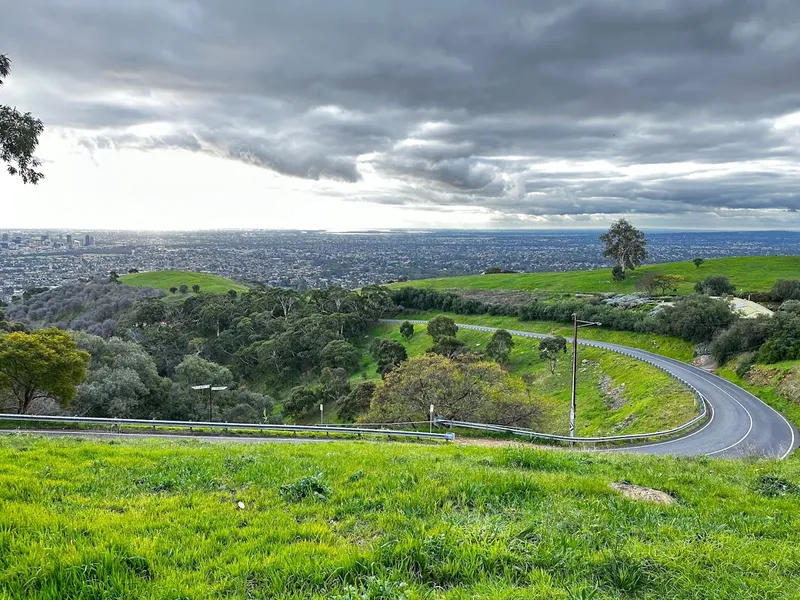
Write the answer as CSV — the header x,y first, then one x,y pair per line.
x,y
221,425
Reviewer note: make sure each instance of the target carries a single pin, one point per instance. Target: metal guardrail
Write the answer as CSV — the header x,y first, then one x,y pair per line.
x,y
449,436
531,434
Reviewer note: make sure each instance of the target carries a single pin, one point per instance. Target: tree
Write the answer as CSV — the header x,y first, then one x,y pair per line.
x,y
357,401
652,282
184,289
196,288
133,270
301,399
448,346
194,370
625,244
784,341
618,274
480,392
341,354
500,346
122,382
173,289
550,348
407,330
334,384
45,364
698,261
113,277
715,285
19,136
442,326
232,294
388,354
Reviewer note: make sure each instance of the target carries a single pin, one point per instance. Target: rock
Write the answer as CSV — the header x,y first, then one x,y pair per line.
x,y
615,396
240,505
636,492
705,362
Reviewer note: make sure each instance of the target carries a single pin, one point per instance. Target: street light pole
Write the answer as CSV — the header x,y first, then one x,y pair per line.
x,y
576,323
210,388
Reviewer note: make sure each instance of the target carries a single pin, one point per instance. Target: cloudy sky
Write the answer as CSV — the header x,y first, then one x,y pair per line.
x,y
169,114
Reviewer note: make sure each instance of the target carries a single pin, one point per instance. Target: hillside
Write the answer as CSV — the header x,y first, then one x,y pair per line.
x,y
617,394
164,280
748,273
346,520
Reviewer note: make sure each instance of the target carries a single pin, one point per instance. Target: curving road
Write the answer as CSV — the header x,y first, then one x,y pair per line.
x,y
740,423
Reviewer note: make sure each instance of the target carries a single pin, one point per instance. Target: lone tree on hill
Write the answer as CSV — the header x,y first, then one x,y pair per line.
x,y
698,261
625,244
407,330
550,348
19,136
41,365
442,326
500,346
196,288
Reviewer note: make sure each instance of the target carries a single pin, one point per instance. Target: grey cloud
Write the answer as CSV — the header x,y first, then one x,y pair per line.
x,y
434,97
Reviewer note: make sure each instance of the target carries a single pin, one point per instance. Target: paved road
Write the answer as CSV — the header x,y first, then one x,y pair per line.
x,y
740,424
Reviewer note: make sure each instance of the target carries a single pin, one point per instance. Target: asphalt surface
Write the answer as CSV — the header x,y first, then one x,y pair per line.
x,y
740,423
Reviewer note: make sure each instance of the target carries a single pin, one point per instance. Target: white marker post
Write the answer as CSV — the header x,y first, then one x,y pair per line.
x,y
430,420
321,415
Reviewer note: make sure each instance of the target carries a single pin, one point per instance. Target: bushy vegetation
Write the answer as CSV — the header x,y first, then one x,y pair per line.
x,y
164,520
93,307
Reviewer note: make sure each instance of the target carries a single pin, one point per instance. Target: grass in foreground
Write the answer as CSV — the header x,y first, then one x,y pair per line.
x,y
616,394
747,273
154,520
164,280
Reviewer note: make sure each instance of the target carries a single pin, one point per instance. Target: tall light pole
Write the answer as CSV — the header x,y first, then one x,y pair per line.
x,y
210,388
576,323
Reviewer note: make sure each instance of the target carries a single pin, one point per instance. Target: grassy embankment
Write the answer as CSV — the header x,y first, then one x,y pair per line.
x,y
164,280
660,344
617,394
160,520
747,273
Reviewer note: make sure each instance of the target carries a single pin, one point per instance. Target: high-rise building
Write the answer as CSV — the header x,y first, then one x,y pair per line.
x,y
88,240
69,240
5,237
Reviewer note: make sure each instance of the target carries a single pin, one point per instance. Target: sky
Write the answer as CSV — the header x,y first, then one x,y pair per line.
x,y
180,114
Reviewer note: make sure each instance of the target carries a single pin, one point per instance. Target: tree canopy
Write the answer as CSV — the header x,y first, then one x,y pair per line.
x,y
625,244
19,136
45,364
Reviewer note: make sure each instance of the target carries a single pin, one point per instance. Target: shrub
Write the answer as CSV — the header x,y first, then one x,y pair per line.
x,y
786,289
695,318
715,285
310,486
743,336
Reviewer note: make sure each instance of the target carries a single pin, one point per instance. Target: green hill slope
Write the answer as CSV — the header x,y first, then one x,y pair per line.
x,y
164,280
747,273
345,520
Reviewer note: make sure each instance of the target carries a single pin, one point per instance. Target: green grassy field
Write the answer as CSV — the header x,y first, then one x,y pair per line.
x,y
660,344
164,280
750,274
617,394
159,520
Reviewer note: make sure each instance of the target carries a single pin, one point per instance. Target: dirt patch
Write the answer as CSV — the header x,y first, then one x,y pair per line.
x,y
503,297
624,424
636,492
763,376
705,362
615,396
789,387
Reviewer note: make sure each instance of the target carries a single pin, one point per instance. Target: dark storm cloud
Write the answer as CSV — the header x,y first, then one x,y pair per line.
x,y
451,103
